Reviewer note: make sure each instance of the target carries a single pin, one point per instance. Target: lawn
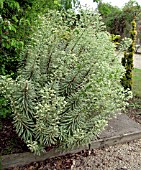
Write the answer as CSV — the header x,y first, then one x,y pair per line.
x,y
137,82
134,109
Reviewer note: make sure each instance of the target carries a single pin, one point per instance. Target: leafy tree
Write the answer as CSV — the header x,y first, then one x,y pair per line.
x,y
69,86
130,10
111,17
118,21
69,4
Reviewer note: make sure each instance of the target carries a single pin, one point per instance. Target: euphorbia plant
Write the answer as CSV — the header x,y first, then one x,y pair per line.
x,y
69,86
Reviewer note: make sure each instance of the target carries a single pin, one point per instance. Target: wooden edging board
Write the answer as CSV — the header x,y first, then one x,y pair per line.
x,y
22,159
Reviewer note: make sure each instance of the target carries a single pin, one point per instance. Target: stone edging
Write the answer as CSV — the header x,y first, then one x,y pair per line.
x,y
22,159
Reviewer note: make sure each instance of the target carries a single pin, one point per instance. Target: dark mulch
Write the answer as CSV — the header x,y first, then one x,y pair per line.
x,y
134,109
57,163
9,140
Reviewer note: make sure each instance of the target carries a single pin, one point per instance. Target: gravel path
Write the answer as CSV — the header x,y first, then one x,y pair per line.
x,y
120,157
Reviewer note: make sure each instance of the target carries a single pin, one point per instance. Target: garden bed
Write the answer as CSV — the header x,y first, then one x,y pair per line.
x,y
120,130
10,143
15,153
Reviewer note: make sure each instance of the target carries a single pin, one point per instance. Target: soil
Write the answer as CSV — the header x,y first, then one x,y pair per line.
x,y
57,163
9,140
134,109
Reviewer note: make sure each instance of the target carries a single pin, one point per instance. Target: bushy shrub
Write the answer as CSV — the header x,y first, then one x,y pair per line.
x,y
70,84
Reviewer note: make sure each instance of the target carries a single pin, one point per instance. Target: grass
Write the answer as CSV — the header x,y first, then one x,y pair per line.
x,y
135,104
137,82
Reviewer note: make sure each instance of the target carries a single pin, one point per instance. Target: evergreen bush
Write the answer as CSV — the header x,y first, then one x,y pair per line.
x,y
127,60
69,86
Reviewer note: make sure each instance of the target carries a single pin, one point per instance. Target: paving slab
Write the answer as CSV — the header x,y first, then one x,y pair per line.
x,y
120,125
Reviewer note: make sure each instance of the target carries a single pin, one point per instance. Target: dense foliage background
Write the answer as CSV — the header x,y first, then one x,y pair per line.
x,y
118,21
